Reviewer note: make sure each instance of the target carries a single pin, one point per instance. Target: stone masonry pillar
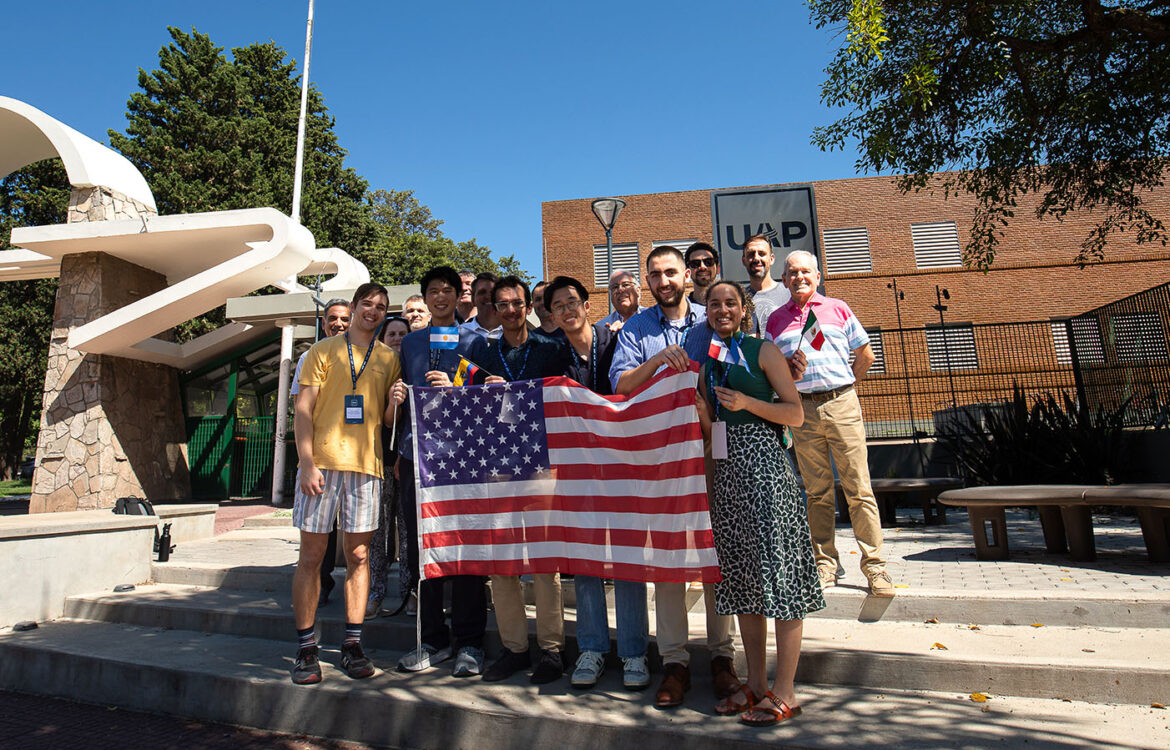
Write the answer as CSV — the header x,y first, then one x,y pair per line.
x,y
111,427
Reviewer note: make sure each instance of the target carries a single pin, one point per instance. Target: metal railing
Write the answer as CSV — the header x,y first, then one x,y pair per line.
x,y
925,377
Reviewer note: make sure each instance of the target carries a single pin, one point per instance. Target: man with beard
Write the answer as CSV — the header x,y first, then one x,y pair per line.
x,y
704,267
766,295
648,341
548,326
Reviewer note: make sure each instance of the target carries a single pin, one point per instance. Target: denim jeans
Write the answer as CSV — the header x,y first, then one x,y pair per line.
x,y
593,626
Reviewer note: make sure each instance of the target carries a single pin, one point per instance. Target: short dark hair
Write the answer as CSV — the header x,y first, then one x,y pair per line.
x,y
487,276
512,282
538,285
393,319
758,238
563,282
698,246
442,273
661,250
369,289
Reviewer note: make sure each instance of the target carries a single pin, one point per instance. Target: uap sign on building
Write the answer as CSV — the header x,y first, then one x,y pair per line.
x,y
786,213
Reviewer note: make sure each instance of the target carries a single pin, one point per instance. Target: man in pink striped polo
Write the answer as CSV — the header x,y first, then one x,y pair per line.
x,y
824,330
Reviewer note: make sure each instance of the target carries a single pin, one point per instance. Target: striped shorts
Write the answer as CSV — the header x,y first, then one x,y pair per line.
x,y
355,496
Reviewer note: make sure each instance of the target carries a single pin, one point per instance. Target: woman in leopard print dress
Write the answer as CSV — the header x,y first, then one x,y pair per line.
x,y
757,514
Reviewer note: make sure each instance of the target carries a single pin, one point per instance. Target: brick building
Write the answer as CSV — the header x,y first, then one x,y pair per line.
x,y
870,234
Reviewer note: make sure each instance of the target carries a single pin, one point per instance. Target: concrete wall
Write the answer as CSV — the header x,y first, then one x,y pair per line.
x,y
47,557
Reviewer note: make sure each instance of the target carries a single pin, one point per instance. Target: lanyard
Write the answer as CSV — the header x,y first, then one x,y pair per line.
x,y
737,337
527,345
435,354
669,331
594,365
349,348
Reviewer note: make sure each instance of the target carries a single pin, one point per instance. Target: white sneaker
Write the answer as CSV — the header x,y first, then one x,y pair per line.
x,y
590,665
423,658
468,662
635,673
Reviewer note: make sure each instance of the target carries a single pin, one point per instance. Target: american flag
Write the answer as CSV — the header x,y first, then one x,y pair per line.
x,y
540,476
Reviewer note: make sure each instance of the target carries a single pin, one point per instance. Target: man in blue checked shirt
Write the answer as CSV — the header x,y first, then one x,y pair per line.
x,y
649,341
430,357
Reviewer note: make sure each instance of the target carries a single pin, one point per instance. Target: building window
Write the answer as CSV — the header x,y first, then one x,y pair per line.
x,y
1138,337
625,258
879,352
1086,335
847,250
954,344
936,245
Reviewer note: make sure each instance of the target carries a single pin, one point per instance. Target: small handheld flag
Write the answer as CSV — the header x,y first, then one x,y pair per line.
x,y
444,337
727,352
812,331
469,373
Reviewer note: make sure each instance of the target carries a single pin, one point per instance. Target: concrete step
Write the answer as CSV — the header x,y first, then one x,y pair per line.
x,y
1081,663
245,681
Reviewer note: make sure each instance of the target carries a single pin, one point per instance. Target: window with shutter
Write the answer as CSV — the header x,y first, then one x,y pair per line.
x,y
625,258
954,345
847,250
936,245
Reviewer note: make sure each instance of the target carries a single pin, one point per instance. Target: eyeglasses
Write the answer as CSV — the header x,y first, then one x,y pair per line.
x,y
570,306
515,304
698,262
627,285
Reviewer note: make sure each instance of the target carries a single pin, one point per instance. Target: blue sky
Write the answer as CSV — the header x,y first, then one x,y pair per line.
x,y
487,109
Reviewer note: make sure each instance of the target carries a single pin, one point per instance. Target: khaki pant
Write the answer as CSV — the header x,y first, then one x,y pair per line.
x,y
512,620
673,631
833,428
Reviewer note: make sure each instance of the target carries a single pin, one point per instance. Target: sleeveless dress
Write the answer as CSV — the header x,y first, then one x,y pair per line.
x,y
758,512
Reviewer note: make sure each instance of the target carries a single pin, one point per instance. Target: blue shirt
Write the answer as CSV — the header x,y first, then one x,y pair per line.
x,y
418,359
541,356
647,334
616,317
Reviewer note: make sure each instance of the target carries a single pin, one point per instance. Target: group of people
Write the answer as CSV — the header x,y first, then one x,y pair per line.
x,y
764,382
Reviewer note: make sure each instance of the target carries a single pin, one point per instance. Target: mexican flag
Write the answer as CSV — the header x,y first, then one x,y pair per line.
x,y
812,331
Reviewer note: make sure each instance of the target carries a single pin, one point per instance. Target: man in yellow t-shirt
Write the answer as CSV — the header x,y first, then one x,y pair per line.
x,y
344,399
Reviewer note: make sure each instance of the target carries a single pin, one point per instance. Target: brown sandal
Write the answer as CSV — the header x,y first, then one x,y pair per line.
x,y
727,707
779,711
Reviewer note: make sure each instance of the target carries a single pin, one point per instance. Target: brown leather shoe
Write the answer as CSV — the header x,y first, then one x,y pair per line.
x,y
723,677
676,680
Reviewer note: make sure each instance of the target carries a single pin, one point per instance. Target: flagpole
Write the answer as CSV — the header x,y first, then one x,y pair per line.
x,y
283,387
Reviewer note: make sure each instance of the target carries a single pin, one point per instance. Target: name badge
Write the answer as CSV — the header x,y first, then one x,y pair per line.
x,y
718,440
353,409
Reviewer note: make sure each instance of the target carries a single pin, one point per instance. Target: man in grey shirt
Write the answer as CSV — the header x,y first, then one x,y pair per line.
x,y
766,294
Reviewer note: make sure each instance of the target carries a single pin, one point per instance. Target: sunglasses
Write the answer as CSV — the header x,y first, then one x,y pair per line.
x,y
701,262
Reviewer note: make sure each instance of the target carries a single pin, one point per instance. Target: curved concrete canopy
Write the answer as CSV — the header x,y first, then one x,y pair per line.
x,y
28,135
207,258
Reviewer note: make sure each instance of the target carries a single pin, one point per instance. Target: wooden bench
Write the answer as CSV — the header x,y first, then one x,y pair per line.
x,y
1065,515
887,491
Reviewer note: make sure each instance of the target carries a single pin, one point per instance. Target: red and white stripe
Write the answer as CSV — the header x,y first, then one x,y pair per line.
x,y
626,499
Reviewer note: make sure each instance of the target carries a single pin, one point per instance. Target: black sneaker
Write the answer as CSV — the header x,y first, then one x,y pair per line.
x,y
355,662
307,669
549,668
507,665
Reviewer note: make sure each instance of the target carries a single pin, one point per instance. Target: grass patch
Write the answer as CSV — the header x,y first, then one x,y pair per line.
x,y
15,487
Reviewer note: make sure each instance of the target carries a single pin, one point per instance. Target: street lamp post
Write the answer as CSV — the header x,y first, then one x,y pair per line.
x,y
607,210
898,297
941,294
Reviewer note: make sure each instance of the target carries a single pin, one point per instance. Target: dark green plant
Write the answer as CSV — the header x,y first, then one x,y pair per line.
x,y
1052,440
